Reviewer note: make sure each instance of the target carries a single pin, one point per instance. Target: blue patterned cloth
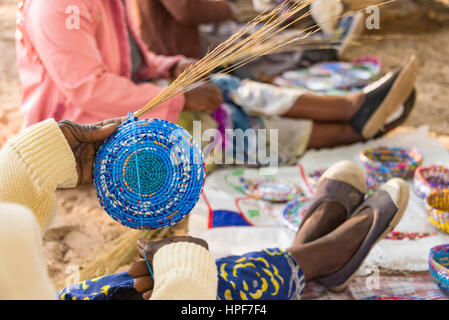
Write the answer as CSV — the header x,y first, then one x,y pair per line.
x,y
115,287
270,274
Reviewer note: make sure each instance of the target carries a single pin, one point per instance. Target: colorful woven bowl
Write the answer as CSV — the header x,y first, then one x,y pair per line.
x,y
391,298
429,179
149,174
272,191
437,206
385,163
294,213
439,266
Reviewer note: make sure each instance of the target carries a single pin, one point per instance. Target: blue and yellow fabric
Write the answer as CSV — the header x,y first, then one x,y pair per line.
x,y
115,287
271,274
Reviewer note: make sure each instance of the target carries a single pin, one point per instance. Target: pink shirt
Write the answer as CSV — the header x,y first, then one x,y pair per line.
x,y
84,74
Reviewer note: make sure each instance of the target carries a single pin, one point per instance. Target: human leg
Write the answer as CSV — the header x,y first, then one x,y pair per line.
x,y
335,258
329,135
326,108
365,112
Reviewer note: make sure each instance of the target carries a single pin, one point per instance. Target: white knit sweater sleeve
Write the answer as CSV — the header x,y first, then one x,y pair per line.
x,y
23,271
33,165
184,271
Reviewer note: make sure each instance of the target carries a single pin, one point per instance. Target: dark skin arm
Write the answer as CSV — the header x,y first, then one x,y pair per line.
x,y
195,12
206,98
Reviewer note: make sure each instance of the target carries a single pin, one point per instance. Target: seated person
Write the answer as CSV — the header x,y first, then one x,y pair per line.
x,y
170,27
192,28
89,65
306,120
335,237
83,76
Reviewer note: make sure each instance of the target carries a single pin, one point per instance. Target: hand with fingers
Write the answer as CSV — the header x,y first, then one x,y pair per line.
x,y
84,140
144,283
181,66
207,97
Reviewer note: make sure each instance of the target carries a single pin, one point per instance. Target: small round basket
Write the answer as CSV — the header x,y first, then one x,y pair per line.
x,y
294,213
272,191
437,206
149,174
430,179
439,266
386,163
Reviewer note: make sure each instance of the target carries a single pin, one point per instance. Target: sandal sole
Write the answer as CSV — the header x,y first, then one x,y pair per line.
x,y
398,94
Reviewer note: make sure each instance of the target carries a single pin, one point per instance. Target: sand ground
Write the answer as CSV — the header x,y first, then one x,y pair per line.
x,y
82,231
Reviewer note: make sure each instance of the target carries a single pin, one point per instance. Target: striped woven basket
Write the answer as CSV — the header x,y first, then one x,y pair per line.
x,y
430,179
385,163
439,265
437,206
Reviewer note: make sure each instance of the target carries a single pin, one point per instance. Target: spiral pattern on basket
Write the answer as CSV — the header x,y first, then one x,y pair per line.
x,y
149,174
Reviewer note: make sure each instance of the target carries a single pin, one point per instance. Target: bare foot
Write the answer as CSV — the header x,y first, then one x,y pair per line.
x,y
330,109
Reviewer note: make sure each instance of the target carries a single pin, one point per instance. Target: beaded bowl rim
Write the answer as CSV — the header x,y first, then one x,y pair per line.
x,y
304,201
434,194
409,161
435,264
437,249
251,185
420,175
432,210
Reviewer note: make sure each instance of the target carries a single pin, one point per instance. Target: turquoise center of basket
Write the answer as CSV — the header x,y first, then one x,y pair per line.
x,y
152,173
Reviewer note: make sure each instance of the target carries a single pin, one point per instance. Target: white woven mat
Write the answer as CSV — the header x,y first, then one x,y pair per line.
x,y
267,231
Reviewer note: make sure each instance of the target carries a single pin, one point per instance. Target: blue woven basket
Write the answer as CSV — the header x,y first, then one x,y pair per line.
x,y
439,265
149,174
